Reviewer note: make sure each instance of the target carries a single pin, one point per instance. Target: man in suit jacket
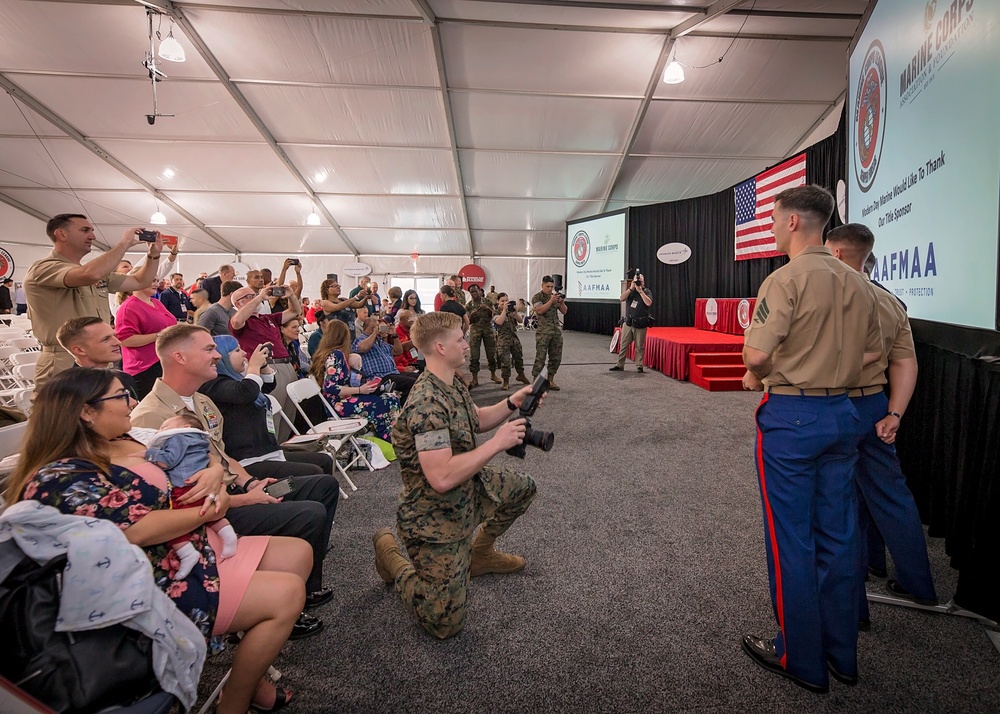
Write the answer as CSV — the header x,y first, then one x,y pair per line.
x,y
213,285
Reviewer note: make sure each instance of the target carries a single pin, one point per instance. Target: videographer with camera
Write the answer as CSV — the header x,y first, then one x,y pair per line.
x,y
508,344
548,337
253,329
448,487
637,318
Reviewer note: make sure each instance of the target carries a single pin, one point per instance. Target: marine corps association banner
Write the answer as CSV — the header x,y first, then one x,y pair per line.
x,y
6,265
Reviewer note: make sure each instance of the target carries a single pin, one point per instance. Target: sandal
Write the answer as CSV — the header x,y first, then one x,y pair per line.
x,y
281,699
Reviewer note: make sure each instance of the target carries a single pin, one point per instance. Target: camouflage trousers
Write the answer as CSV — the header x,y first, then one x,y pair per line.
x,y
508,351
435,589
547,344
482,336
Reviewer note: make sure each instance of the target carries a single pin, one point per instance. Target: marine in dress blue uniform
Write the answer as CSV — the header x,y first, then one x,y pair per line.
x,y
814,328
886,505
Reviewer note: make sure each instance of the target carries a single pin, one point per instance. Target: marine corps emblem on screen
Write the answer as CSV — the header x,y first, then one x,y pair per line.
x,y
869,116
581,249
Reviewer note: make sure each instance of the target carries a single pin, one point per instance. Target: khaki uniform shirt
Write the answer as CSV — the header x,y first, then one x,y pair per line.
x,y
816,317
163,402
549,321
493,297
481,313
897,339
51,303
436,416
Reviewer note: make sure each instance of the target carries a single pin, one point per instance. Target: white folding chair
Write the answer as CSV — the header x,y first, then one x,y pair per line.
x,y
24,374
10,333
7,380
22,400
307,388
26,344
24,357
299,438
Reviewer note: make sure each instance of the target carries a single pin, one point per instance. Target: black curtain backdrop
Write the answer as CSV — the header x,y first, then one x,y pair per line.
x,y
949,443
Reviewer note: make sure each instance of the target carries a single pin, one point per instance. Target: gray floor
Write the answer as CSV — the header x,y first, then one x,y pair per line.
x,y
645,566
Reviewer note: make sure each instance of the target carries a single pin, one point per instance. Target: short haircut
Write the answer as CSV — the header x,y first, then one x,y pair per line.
x,y
856,236
456,278
174,336
8,280
174,275
547,279
320,316
200,291
230,286
251,272
70,331
869,264
431,327
225,269
396,292
448,291
813,201
501,295
60,221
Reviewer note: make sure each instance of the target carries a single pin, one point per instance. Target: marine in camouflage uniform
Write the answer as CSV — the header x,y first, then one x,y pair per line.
x,y
548,336
481,314
508,344
437,528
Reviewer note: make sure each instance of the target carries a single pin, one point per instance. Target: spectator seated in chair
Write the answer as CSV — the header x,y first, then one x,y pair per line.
x,y
378,345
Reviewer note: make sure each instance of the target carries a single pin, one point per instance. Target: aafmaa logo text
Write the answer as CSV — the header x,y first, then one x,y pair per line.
x,y
869,116
581,249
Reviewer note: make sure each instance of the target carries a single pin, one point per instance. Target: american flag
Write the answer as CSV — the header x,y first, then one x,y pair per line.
x,y
755,202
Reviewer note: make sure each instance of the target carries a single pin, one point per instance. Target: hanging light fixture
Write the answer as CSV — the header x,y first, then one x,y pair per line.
x,y
313,219
674,73
170,48
158,219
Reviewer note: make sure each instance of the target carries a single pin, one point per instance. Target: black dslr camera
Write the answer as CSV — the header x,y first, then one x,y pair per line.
x,y
535,437
511,306
636,278
557,286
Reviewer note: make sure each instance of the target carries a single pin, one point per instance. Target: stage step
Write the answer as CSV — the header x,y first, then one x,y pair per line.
x,y
717,371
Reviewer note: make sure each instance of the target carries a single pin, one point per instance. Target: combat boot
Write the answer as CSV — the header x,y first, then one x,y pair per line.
x,y
522,378
553,386
486,560
389,560
506,385
475,381
493,377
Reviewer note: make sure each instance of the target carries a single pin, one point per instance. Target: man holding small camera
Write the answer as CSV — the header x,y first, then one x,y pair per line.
x,y
379,345
508,344
252,328
449,488
548,303
637,303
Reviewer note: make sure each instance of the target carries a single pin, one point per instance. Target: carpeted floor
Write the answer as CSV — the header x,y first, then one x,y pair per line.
x,y
645,567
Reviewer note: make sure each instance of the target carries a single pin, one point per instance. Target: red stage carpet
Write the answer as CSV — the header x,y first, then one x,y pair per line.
x,y
667,348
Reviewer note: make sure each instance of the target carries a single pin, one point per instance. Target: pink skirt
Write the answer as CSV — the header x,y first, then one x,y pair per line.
x,y
235,574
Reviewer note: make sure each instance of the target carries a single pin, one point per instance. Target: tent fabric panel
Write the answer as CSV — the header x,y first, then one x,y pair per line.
x,y
361,7
548,61
376,170
351,116
647,180
530,175
429,242
395,211
527,214
189,238
245,209
518,243
299,48
656,18
17,119
56,163
202,166
540,123
116,108
290,240
102,207
731,130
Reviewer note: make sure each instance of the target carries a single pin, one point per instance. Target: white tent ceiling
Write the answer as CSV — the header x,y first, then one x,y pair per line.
x,y
441,127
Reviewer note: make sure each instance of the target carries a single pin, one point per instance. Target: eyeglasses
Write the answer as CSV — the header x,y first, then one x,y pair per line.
x,y
127,396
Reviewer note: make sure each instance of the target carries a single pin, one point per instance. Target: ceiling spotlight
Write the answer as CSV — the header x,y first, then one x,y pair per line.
x,y
170,48
158,219
320,176
313,219
674,73
169,173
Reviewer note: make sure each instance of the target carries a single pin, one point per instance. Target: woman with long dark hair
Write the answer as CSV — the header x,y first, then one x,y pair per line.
x,y
74,458
411,301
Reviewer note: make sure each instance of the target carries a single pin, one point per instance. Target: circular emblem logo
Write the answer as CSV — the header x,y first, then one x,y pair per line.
x,y
6,265
581,249
743,313
869,116
711,311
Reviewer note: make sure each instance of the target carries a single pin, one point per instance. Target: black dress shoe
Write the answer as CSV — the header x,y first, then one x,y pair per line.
x,y
305,626
877,572
864,625
616,368
319,597
894,588
762,652
639,369
849,679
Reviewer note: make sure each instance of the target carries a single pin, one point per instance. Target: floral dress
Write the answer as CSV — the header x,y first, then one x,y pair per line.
x,y
77,487
380,410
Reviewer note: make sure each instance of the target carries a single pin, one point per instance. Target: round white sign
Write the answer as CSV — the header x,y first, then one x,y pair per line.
x,y
743,313
673,253
711,311
356,270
